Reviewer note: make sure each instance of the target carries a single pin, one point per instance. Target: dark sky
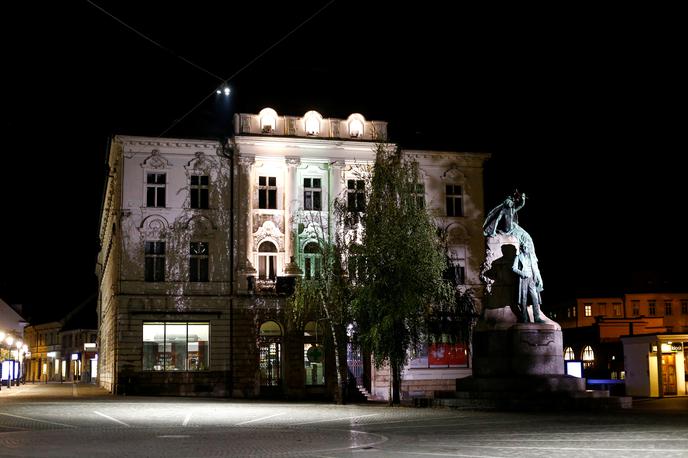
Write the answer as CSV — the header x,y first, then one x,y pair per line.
x,y
581,109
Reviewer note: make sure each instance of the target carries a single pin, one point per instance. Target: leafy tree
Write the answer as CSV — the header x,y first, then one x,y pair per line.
x,y
404,265
328,292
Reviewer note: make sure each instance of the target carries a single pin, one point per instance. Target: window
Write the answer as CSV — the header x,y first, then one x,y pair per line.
x,y
312,125
268,120
313,354
267,261
270,353
635,308
312,194
419,195
454,198
355,194
456,271
588,356
568,354
175,346
652,308
155,189
155,261
601,308
684,307
355,128
198,262
439,355
199,191
667,308
616,307
267,192
588,309
311,260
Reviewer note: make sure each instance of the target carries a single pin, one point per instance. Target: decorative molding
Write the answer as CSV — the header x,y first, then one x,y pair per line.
x,y
156,161
200,162
154,223
292,161
199,225
246,161
455,174
268,231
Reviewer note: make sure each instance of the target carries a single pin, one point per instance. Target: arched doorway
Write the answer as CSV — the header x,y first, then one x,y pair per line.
x,y
270,356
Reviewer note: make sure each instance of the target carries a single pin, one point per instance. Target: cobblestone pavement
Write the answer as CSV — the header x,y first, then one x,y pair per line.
x,y
84,421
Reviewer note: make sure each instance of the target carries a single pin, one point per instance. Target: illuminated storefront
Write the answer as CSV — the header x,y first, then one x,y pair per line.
x,y
656,364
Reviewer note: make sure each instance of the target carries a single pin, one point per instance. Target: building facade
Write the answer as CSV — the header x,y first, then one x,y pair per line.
x,y
201,243
595,327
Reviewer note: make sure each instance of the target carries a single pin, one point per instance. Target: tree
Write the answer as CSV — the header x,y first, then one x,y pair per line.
x,y
327,292
404,265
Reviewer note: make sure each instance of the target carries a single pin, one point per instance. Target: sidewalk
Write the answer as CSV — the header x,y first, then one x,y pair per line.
x,y
53,390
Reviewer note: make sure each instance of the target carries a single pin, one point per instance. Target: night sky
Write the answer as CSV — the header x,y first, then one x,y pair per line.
x,y
579,108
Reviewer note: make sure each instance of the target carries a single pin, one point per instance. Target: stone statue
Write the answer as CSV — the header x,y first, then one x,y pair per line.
x,y
530,282
504,213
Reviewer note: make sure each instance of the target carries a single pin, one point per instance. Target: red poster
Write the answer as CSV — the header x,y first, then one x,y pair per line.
x,y
447,355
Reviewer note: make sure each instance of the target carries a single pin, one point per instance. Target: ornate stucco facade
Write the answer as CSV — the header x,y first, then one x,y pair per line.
x,y
198,239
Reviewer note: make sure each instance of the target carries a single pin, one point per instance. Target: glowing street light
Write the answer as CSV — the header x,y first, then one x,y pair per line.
x,y
223,90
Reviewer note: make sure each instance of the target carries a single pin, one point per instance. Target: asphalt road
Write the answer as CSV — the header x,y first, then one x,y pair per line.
x,y
82,421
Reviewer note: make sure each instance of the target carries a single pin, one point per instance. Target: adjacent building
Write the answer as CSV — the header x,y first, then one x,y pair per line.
x,y
201,242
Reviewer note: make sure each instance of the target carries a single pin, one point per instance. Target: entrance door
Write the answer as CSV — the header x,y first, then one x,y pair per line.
x,y
669,373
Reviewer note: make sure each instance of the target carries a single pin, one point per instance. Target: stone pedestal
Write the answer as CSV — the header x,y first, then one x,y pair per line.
x,y
521,349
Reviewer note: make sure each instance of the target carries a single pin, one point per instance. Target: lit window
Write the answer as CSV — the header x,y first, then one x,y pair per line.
x,y
198,262
312,123
454,199
568,354
155,261
270,353
355,194
312,194
267,192
588,309
588,356
355,128
268,120
155,189
175,346
199,191
267,261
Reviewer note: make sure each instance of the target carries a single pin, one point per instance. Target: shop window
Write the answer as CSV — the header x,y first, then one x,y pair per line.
x,y
175,346
313,354
270,349
440,355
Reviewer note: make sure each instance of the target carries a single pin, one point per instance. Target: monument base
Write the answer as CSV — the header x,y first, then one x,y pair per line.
x,y
520,349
